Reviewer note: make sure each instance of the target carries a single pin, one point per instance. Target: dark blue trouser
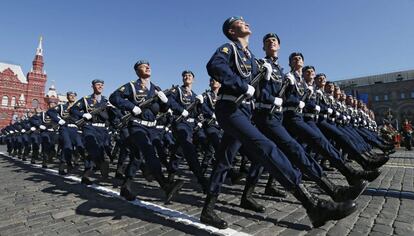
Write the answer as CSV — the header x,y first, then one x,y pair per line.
x,y
297,127
183,133
70,138
48,141
271,126
96,139
35,140
140,140
355,138
339,137
239,130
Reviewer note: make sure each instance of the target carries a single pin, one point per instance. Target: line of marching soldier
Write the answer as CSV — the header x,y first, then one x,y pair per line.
x,y
288,124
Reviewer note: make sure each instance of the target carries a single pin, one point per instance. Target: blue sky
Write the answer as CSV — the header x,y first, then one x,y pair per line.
x,y
84,40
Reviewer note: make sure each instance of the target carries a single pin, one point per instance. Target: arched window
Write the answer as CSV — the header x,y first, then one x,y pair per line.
x,y
13,102
35,103
5,101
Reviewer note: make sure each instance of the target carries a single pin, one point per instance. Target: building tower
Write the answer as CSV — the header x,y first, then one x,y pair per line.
x,y
36,79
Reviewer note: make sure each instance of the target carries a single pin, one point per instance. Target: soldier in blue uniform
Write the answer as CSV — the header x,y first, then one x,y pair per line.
x,y
183,129
295,96
48,137
234,66
326,125
142,127
70,138
36,126
210,125
25,136
92,109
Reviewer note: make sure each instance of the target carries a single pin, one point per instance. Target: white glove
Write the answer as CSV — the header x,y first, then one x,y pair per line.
x,y
301,105
311,90
200,98
136,110
269,70
185,113
42,127
162,97
317,108
319,92
166,129
200,125
170,111
278,101
32,128
213,116
23,131
337,114
12,132
291,79
349,117
330,111
250,91
61,122
87,116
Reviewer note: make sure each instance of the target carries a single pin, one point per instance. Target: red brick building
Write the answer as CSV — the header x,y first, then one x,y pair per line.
x,y
18,93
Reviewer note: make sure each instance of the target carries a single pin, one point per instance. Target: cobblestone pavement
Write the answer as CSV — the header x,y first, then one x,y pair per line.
x,y
34,201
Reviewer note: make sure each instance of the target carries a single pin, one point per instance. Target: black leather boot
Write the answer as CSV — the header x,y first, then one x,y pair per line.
x,y
341,193
319,210
368,163
126,190
62,168
355,177
85,177
247,200
208,216
270,189
104,168
44,160
171,189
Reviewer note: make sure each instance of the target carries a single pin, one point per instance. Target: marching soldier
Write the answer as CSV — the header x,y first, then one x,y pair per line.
x,y
234,67
182,101
129,97
91,110
70,138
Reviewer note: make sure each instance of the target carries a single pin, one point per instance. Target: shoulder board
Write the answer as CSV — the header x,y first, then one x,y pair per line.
x,y
87,96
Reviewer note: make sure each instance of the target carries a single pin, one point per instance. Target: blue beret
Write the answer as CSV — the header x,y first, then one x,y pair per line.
x,y
271,35
294,54
187,72
320,75
227,24
140,62
70,92
95,81
307,68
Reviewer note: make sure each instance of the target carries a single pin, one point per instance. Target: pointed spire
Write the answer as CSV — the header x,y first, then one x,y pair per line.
x,y
39,50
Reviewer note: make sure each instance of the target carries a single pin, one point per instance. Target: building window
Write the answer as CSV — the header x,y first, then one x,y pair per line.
x,y
412,94
376,98
3,116
35,103
386,97
402,95
5,101
13,102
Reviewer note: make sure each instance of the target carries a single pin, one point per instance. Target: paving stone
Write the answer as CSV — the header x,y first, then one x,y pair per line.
x,y
47,205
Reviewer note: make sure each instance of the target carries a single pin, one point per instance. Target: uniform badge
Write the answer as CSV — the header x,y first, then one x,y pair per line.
x,y
225,50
